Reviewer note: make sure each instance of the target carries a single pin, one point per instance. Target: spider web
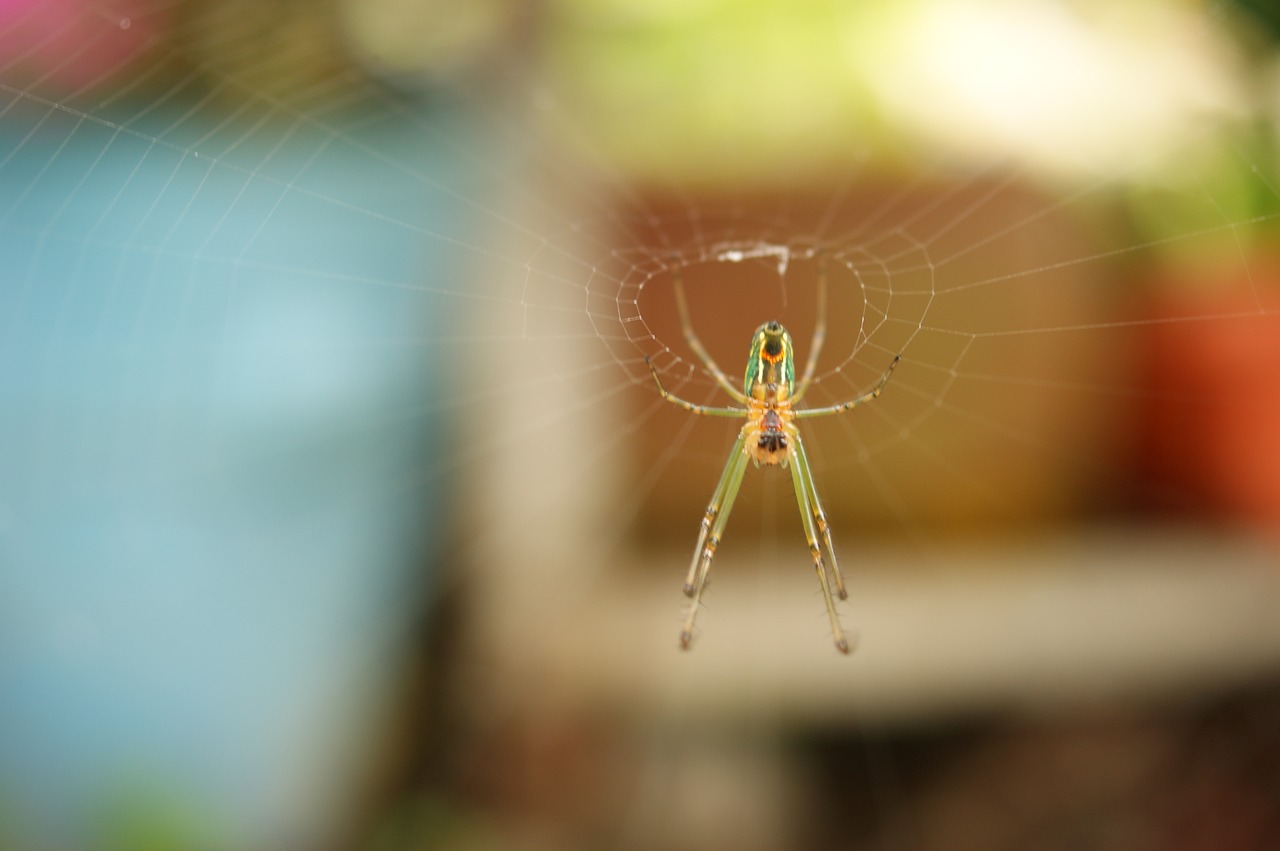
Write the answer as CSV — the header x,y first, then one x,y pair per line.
x,y
278,315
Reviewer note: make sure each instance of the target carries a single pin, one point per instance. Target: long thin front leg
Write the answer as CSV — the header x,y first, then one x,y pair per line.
x,y
691,338
702,410
873,393
819,516
819,331
714,509
736,466
800,480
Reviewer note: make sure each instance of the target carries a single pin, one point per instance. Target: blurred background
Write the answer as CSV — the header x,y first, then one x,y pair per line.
x,y
338,510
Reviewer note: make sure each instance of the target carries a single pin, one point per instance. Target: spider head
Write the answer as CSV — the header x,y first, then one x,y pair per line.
x,y
771,361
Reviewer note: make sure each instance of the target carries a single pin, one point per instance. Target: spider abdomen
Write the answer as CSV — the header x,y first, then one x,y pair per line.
x,y
769,442
772,441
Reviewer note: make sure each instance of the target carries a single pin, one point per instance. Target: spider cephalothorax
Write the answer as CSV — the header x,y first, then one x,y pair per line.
x,y
769,437
771,362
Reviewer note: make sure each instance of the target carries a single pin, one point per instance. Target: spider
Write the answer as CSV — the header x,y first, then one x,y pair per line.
x,y
769,437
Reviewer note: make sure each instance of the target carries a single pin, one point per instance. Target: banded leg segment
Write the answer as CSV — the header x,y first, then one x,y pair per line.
x,y
691,339
873,393
806,500
801,460
819,332
715,508
713,524
701,410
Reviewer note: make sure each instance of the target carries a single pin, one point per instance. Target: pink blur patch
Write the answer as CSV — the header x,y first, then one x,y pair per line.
x,y
63,46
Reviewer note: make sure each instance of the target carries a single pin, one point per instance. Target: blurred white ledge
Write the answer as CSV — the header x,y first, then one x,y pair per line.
x,y
1034,626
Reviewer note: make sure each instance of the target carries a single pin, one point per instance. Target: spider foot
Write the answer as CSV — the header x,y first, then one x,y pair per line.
x,y
686,638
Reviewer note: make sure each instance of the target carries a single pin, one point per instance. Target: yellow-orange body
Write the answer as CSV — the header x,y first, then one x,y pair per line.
x,y
769,434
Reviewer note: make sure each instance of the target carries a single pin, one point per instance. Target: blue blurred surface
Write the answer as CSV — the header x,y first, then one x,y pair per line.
x,y
219,485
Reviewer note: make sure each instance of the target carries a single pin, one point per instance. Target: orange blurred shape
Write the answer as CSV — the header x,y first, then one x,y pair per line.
x,y
1211,430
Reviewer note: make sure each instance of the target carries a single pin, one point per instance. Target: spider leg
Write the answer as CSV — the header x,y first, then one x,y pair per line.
x,y
819,516
689,406
691,338
809,510
711,514
873,393
819,332
713,523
